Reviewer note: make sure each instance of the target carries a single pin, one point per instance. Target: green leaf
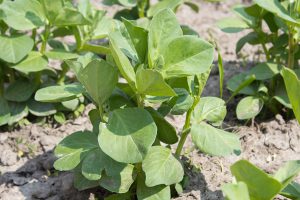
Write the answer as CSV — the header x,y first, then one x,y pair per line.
x,y
20,91
260,185
291,191
128,3
249,107
196,58
122,61
277,8
128,136
151,82
241,84
60,93
264,71
99,79
15,48
241,11
70,105
236,191
162,5
60,55
215,141
282,97
292,84
182,102
165,131
120,181
34,62
159,37
288,172
73,148
211,109
60,117
160,192
138,37
93,164
81,183
23,15
232,25
161,167
4,111
17,112
221,73
41,109
249,38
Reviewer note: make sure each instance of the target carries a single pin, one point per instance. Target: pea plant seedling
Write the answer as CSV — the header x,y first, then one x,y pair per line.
x,y
264,186
146,77
274,25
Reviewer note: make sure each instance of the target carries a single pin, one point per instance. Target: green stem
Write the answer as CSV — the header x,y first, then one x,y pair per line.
x,y
62,75
140,101
266,51
95,49
33,35
291,58
1,82
187,127
45,39
77,37
101,113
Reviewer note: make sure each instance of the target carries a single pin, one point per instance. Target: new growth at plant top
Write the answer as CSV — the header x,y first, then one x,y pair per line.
x,y
31,38
272,85
128,152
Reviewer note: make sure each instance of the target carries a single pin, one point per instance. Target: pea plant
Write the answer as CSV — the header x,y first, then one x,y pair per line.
x,y
263,186
30,40
144,8
274,25
145,77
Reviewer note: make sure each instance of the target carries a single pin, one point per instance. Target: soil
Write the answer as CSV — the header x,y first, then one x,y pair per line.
x,y
26,154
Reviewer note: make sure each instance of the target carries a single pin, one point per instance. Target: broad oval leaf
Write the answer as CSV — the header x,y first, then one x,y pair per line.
x,y
249,107
260,185
236,191
161,167
73,148
41,109
232,25
161,5
122,61
151,82
128,136
212,109
60,93
17,112
23,15
196,58
288,172
60,55
120,181
159,37
20,91
214,141
82,183
292,84
264,71
34,62
14,49
99,78
159,192
275,7
4,111
165,131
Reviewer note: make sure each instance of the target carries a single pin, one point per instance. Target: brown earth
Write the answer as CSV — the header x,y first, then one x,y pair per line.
x,y
26,154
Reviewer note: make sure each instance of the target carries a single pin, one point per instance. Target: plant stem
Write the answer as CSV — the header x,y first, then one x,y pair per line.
x,y
1,82
266,51
95,48
140,101
187,126
77,37
45,39
291,58
62,75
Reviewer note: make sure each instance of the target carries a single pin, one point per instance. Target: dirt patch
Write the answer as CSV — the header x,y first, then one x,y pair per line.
x,y
26,157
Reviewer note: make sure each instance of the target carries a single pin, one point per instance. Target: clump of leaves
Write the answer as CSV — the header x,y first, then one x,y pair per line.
x,y
146,77
274,25
253,183
30,40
